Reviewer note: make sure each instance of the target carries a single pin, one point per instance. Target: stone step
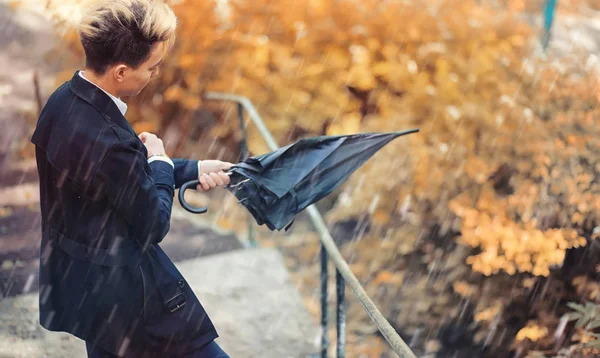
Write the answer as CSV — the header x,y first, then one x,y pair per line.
x,y
255,308
14,174
247,293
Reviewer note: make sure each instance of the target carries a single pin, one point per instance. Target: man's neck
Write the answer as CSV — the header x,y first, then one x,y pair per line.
x,y
101,81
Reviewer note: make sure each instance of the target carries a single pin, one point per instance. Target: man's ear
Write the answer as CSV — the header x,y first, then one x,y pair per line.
x,y
119,72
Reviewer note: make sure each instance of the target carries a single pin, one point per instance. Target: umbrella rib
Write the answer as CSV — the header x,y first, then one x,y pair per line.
x,y
238,184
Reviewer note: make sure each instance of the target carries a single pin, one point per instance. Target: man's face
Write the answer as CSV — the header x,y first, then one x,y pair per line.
x,y
135,80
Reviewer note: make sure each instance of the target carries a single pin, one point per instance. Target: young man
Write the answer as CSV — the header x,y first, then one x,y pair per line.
x,y
106,197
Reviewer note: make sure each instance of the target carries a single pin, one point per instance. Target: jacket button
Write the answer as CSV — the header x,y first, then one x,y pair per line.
x,y
181,283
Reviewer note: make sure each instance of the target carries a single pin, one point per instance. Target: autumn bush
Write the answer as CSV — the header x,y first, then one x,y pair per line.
x,y
497,190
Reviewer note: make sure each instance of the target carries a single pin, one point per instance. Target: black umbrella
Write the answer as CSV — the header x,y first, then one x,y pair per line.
x,y
276,186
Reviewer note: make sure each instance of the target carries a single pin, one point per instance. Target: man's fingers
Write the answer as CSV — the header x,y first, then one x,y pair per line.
x,y
224,178
145,135
217,179
226,165
210,181
213,180
204,182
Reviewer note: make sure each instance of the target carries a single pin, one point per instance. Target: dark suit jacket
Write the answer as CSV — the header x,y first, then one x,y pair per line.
x,y
103,276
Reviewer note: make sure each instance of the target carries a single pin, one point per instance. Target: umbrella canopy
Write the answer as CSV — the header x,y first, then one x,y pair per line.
x,y
276,186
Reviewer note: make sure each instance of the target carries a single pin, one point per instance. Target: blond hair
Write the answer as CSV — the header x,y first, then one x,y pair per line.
x,y
114,31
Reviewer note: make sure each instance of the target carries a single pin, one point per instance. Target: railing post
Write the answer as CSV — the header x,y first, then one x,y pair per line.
x,y
244,152
386,329
341,314
324,308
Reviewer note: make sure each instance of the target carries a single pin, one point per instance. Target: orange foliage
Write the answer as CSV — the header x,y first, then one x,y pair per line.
x,y
506,155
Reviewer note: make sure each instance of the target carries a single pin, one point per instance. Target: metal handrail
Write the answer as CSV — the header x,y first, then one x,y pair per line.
x,y
328,248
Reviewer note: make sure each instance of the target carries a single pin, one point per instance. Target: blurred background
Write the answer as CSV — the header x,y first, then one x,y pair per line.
x,y
475,237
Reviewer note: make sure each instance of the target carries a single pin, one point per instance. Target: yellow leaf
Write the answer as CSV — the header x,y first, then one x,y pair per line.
x,y
386,277
173,93
380,217
347,124
487,314
532,332
361,78
188,61
463,288
145,126
191,102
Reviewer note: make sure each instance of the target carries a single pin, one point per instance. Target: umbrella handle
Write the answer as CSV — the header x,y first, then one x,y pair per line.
x,y
187,206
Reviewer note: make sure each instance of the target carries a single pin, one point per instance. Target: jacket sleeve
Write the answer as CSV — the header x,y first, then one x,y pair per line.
x,y
185,170
141,193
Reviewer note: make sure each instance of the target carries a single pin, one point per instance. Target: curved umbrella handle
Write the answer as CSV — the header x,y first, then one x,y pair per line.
x,y
187,206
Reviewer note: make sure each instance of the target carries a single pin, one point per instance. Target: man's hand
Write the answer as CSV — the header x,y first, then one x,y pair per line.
x,y
211,174
153,144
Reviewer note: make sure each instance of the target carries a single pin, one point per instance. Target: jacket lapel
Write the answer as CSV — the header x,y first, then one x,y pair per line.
x,y
100,100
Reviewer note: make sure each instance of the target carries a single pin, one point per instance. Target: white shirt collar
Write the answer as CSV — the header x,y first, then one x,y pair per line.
x,y
120,104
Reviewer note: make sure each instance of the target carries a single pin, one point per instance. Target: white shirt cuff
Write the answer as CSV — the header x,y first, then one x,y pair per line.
x,y
162,159
199,172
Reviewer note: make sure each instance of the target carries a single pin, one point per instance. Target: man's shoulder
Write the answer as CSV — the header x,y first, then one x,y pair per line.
x,y
68,116
76,136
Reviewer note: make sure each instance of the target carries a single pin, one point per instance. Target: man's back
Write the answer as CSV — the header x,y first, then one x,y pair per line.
x,y
104,209
71,140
